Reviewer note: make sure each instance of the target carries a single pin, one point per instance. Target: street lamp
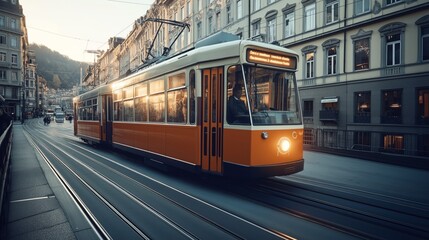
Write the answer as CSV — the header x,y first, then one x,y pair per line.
x,y
96,53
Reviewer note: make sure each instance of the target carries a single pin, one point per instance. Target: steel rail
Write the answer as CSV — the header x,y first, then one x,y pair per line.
x,y
95,225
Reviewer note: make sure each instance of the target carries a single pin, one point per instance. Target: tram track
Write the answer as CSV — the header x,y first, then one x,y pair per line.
x,y
352,213
357,215
206,213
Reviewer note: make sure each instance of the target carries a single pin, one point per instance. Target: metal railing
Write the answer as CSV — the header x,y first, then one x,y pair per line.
x,y
5,151
372,144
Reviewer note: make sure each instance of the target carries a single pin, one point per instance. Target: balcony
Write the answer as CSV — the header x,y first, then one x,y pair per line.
x,y
328,115
391,119
362,117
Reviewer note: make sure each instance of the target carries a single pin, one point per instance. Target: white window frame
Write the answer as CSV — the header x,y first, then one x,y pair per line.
x,y
331,59
239,9
271,30
289,24
362,6
391,2
391,47
3,57
333,6
310,17
309,65
256,5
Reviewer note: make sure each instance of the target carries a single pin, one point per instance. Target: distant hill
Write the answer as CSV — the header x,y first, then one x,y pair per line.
x,y
59,70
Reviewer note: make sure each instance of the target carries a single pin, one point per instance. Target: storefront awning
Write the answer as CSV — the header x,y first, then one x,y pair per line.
x,y
329,100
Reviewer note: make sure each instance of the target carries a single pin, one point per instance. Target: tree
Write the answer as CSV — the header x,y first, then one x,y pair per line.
x,y
56,81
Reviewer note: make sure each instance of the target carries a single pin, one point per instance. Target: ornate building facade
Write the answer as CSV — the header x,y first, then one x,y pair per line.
x,y
363,72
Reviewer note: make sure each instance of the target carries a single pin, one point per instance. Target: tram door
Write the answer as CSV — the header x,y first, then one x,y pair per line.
x,y
212,126
106,120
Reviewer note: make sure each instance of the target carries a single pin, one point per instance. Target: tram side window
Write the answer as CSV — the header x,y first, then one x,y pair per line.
x,y
128,110
192,97
177,99
118,114
237,110
156,101
94,110
140,103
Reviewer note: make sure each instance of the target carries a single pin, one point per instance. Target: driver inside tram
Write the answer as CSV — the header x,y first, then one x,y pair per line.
x,y
237,111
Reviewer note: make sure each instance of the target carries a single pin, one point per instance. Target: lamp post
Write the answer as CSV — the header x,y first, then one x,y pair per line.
x,y
96,53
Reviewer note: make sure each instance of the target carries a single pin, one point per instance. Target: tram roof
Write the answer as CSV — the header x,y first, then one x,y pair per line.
x,y
219,47
198,55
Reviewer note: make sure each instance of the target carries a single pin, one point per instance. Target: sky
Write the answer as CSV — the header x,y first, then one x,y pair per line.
x,y
73,27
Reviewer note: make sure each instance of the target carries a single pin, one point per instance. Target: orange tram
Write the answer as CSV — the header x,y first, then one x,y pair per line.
x,y
229,108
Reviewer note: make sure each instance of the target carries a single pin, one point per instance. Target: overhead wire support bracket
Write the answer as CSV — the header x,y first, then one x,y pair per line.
x,y
166,50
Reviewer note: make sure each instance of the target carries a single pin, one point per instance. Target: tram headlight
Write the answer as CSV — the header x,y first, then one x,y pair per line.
x,y
283,145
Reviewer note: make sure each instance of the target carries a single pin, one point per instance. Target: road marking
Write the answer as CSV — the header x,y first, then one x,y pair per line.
x,y
32,199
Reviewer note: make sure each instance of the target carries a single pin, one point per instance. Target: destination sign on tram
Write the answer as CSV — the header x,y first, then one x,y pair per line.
x,y
274,59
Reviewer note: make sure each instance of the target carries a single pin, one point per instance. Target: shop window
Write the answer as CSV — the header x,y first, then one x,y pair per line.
x,y
391,109
392,143
362,113
423,106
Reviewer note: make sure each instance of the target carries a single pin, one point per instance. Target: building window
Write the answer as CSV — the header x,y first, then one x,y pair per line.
x,y
289,27
210,25
393,49
390,2
392,143
423,106
310,17
256,28
309,65
218,26
362,141
361,54
239,9
229,18
2,57
2,39
1,21
362,113
332,61
13,24
256,5
199,31
391,38
14,76
423,24
308,108
14,59
271,30
361,6
2,75
308,53
391,110
331,11
13,42
330,48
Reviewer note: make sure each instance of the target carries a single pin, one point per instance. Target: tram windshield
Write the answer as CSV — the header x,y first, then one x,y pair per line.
x,y
262,96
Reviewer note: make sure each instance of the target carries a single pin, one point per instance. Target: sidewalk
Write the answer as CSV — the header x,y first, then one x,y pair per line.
x,y
39,206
